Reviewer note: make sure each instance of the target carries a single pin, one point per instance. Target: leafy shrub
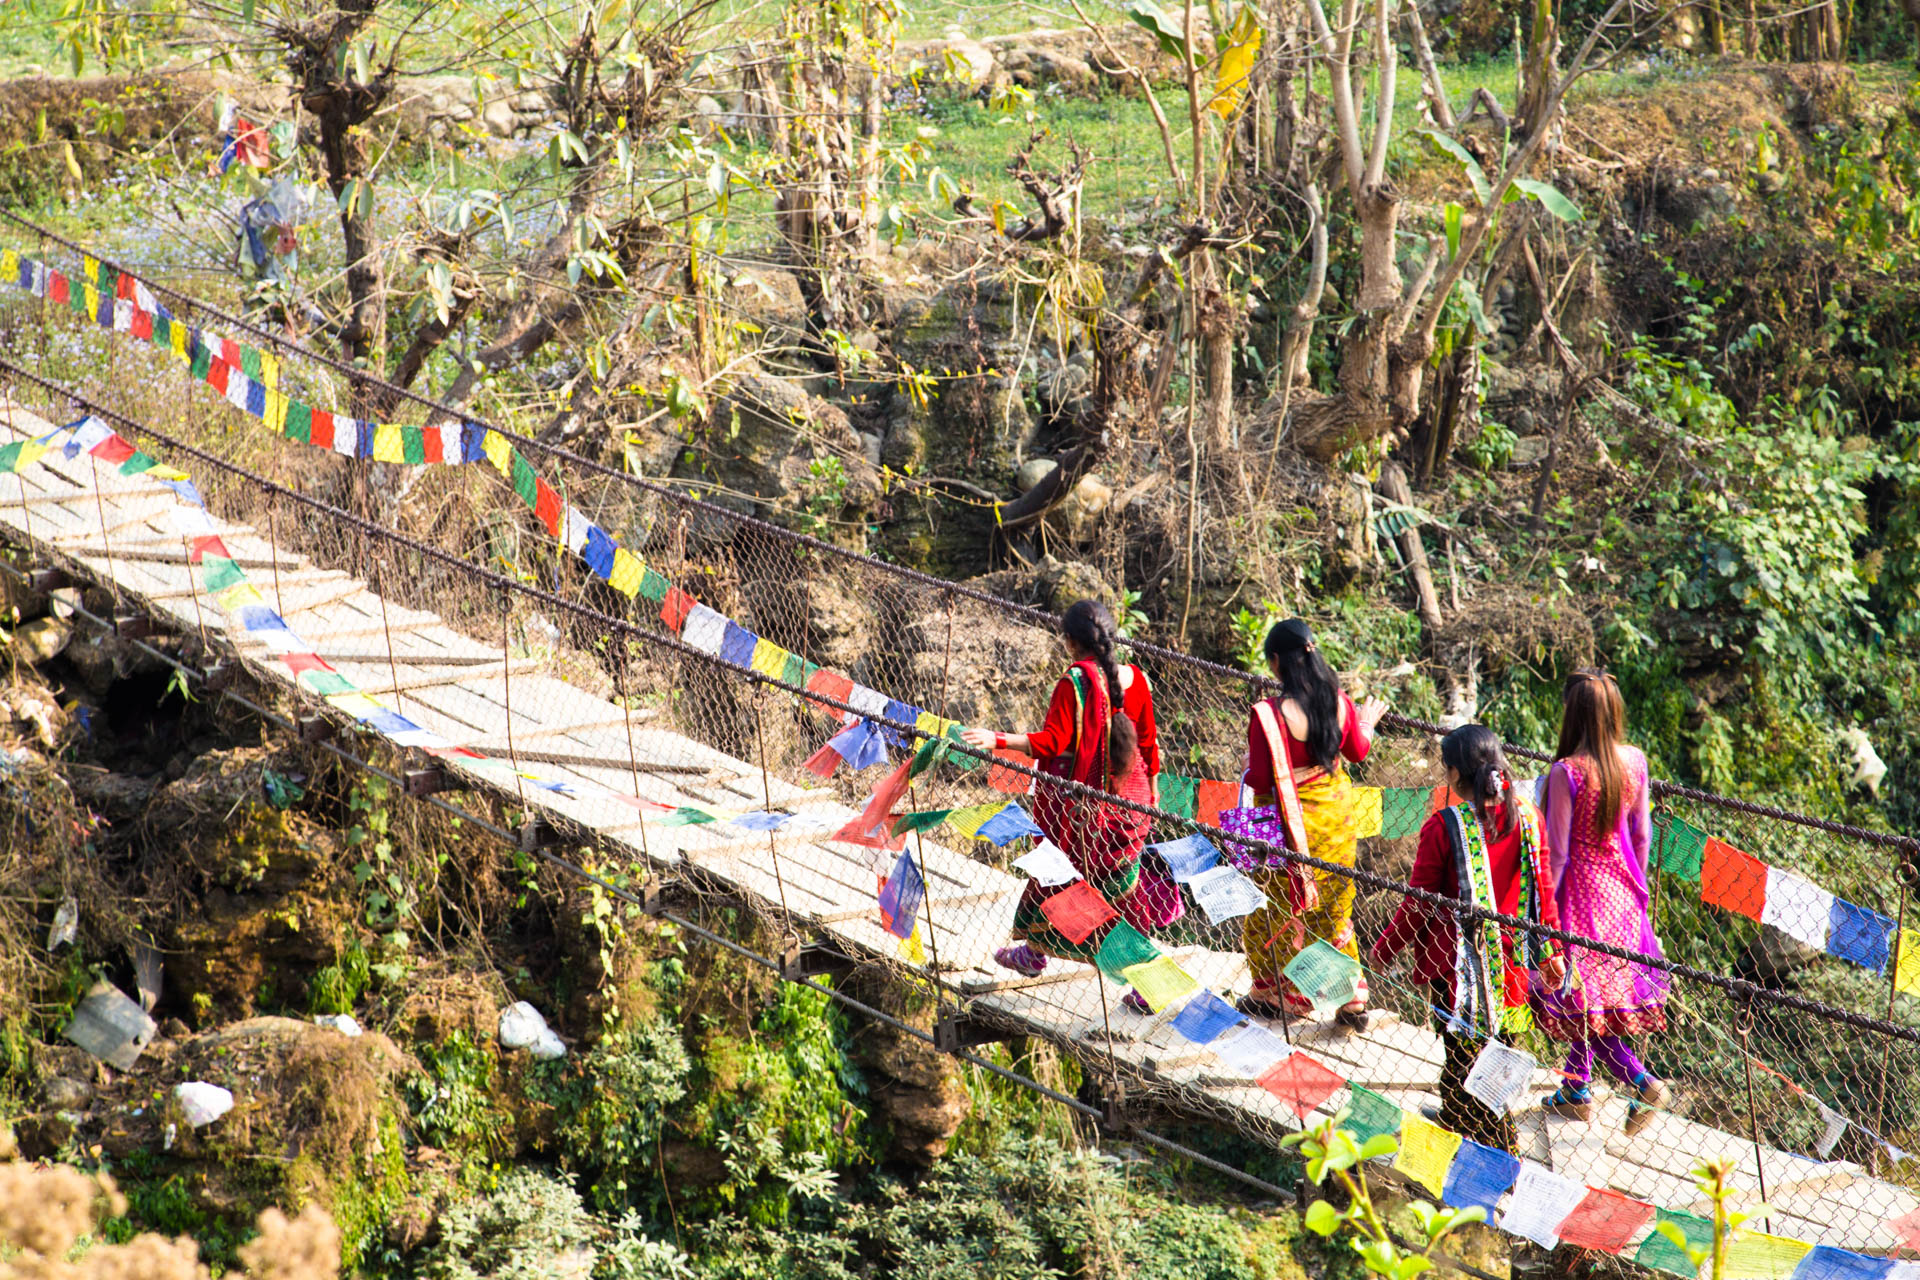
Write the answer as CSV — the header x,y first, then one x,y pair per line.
x,y
452,1101
615,1104
532,1225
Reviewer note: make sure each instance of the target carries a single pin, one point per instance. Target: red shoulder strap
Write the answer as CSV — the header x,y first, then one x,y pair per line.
x,y
1283,788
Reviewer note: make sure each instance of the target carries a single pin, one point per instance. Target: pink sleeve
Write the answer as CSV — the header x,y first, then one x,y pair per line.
x,y
1354,740
1640,818
1259,774
1559,818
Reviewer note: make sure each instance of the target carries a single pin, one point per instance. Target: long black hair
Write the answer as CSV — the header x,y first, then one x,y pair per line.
x,y
1309,681
1089,624
1473,751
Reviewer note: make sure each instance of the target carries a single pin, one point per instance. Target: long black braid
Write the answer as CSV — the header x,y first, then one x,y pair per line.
x,y
1089,624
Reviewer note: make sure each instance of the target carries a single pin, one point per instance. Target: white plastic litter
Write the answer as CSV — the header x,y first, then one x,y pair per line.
x,y
341,1022
522,1027
203,1103
66,924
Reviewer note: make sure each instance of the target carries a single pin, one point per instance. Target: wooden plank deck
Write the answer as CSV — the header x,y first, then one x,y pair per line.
x,y
461,688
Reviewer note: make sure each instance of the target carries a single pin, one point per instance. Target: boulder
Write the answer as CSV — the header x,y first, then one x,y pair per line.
x,y
41,640
917,1091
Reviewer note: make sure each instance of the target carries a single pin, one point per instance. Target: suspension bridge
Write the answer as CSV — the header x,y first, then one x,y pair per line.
x,y
579,762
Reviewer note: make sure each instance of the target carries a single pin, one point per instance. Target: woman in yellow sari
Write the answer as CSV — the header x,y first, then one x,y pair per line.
x,y
1296,745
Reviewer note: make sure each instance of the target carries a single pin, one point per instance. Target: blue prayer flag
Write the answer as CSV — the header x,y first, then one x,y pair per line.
x,y
762,820
105,318
1828,1263
186,490
1206,1018
1857,934
257,617
1479,1175
598,552
388,722
1010,823
737,645
901,712
471,436
362,440
1189,857
256,399
901,896
860,745
26,274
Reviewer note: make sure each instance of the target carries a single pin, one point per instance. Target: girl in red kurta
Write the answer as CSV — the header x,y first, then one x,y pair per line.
x,y
1099,731
1487,852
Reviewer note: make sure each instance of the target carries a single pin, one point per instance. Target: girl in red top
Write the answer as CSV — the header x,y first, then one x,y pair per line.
x,y
1308,730
1099,731
1487,852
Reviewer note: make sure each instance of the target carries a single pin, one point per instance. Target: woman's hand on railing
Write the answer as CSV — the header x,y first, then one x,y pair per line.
x,y
1370,712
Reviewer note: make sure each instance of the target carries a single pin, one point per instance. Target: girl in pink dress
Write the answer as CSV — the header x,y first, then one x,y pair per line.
x,y
1598,835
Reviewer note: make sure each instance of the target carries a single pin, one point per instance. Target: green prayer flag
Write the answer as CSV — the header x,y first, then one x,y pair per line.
x,y
1370,1114
217,573
202,362
653,586
687,817
1682,848
162,331
959,759
413,445
1178,795
794,671
299,422
1403,811
326,683
10,456
250,363
138,463
924,820
1122,948
1324,975
1657,1253
523,483
931,752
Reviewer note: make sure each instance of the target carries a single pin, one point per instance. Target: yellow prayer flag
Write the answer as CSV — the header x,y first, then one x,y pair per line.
x,y
269,371
239,596
1426,1151
1755,1255
89,270
1366,811
627,572
769,659
358,705
500,452
31,451
177,339
276,411
969,820
9,264
1906,972
911,949
1160,981
929,724
92,298
163,472
387,446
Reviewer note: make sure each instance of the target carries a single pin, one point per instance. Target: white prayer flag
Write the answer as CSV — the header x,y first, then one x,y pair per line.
x,y
237,384
1500,1075
1048,864
705,629
577,526
1250,1050
418,738
1797,907
1225,894
122,315
1835,1130
346,436
868,702
1542,1199
88,435
279,640
191,522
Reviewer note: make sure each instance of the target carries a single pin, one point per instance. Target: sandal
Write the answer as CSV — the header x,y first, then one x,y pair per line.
x,y
1022,959
1354,1016
1653,1096
1570,1103
1134,1002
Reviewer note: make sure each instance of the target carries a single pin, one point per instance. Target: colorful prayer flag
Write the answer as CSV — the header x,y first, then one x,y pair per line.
x,y
1755,1255
1367,817
1178,795
1479,1175
1828,1263
1682,848
1122,948
921,820
1225,893
1541,1201
1011,823
1604,1220
969,820
1188,857
1211,798
1007,781
901,896
1500,1075
676,609
1250,1051
1797,907
1733,880
1371,1114
1657,1253
1301,1082
1206,1018
1077,911
1048,864
1161,982
769,659
1403,811
1864,937
1426,1150
1325,975
1906,965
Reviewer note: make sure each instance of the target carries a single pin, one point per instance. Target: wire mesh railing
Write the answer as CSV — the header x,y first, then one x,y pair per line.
x,y
717,738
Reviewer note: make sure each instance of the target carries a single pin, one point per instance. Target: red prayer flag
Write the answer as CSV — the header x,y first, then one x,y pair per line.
x,y
57,288
230,352
883,839
113,449
1733,880
142,326
1605,1220
675,608
1907,1227
1211,797
830,684
1006,780
321,433
430,444
1077,911
123,287
880,804
207,546
1441,797
823,762
217,374
301,662
1301,1081
546,505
